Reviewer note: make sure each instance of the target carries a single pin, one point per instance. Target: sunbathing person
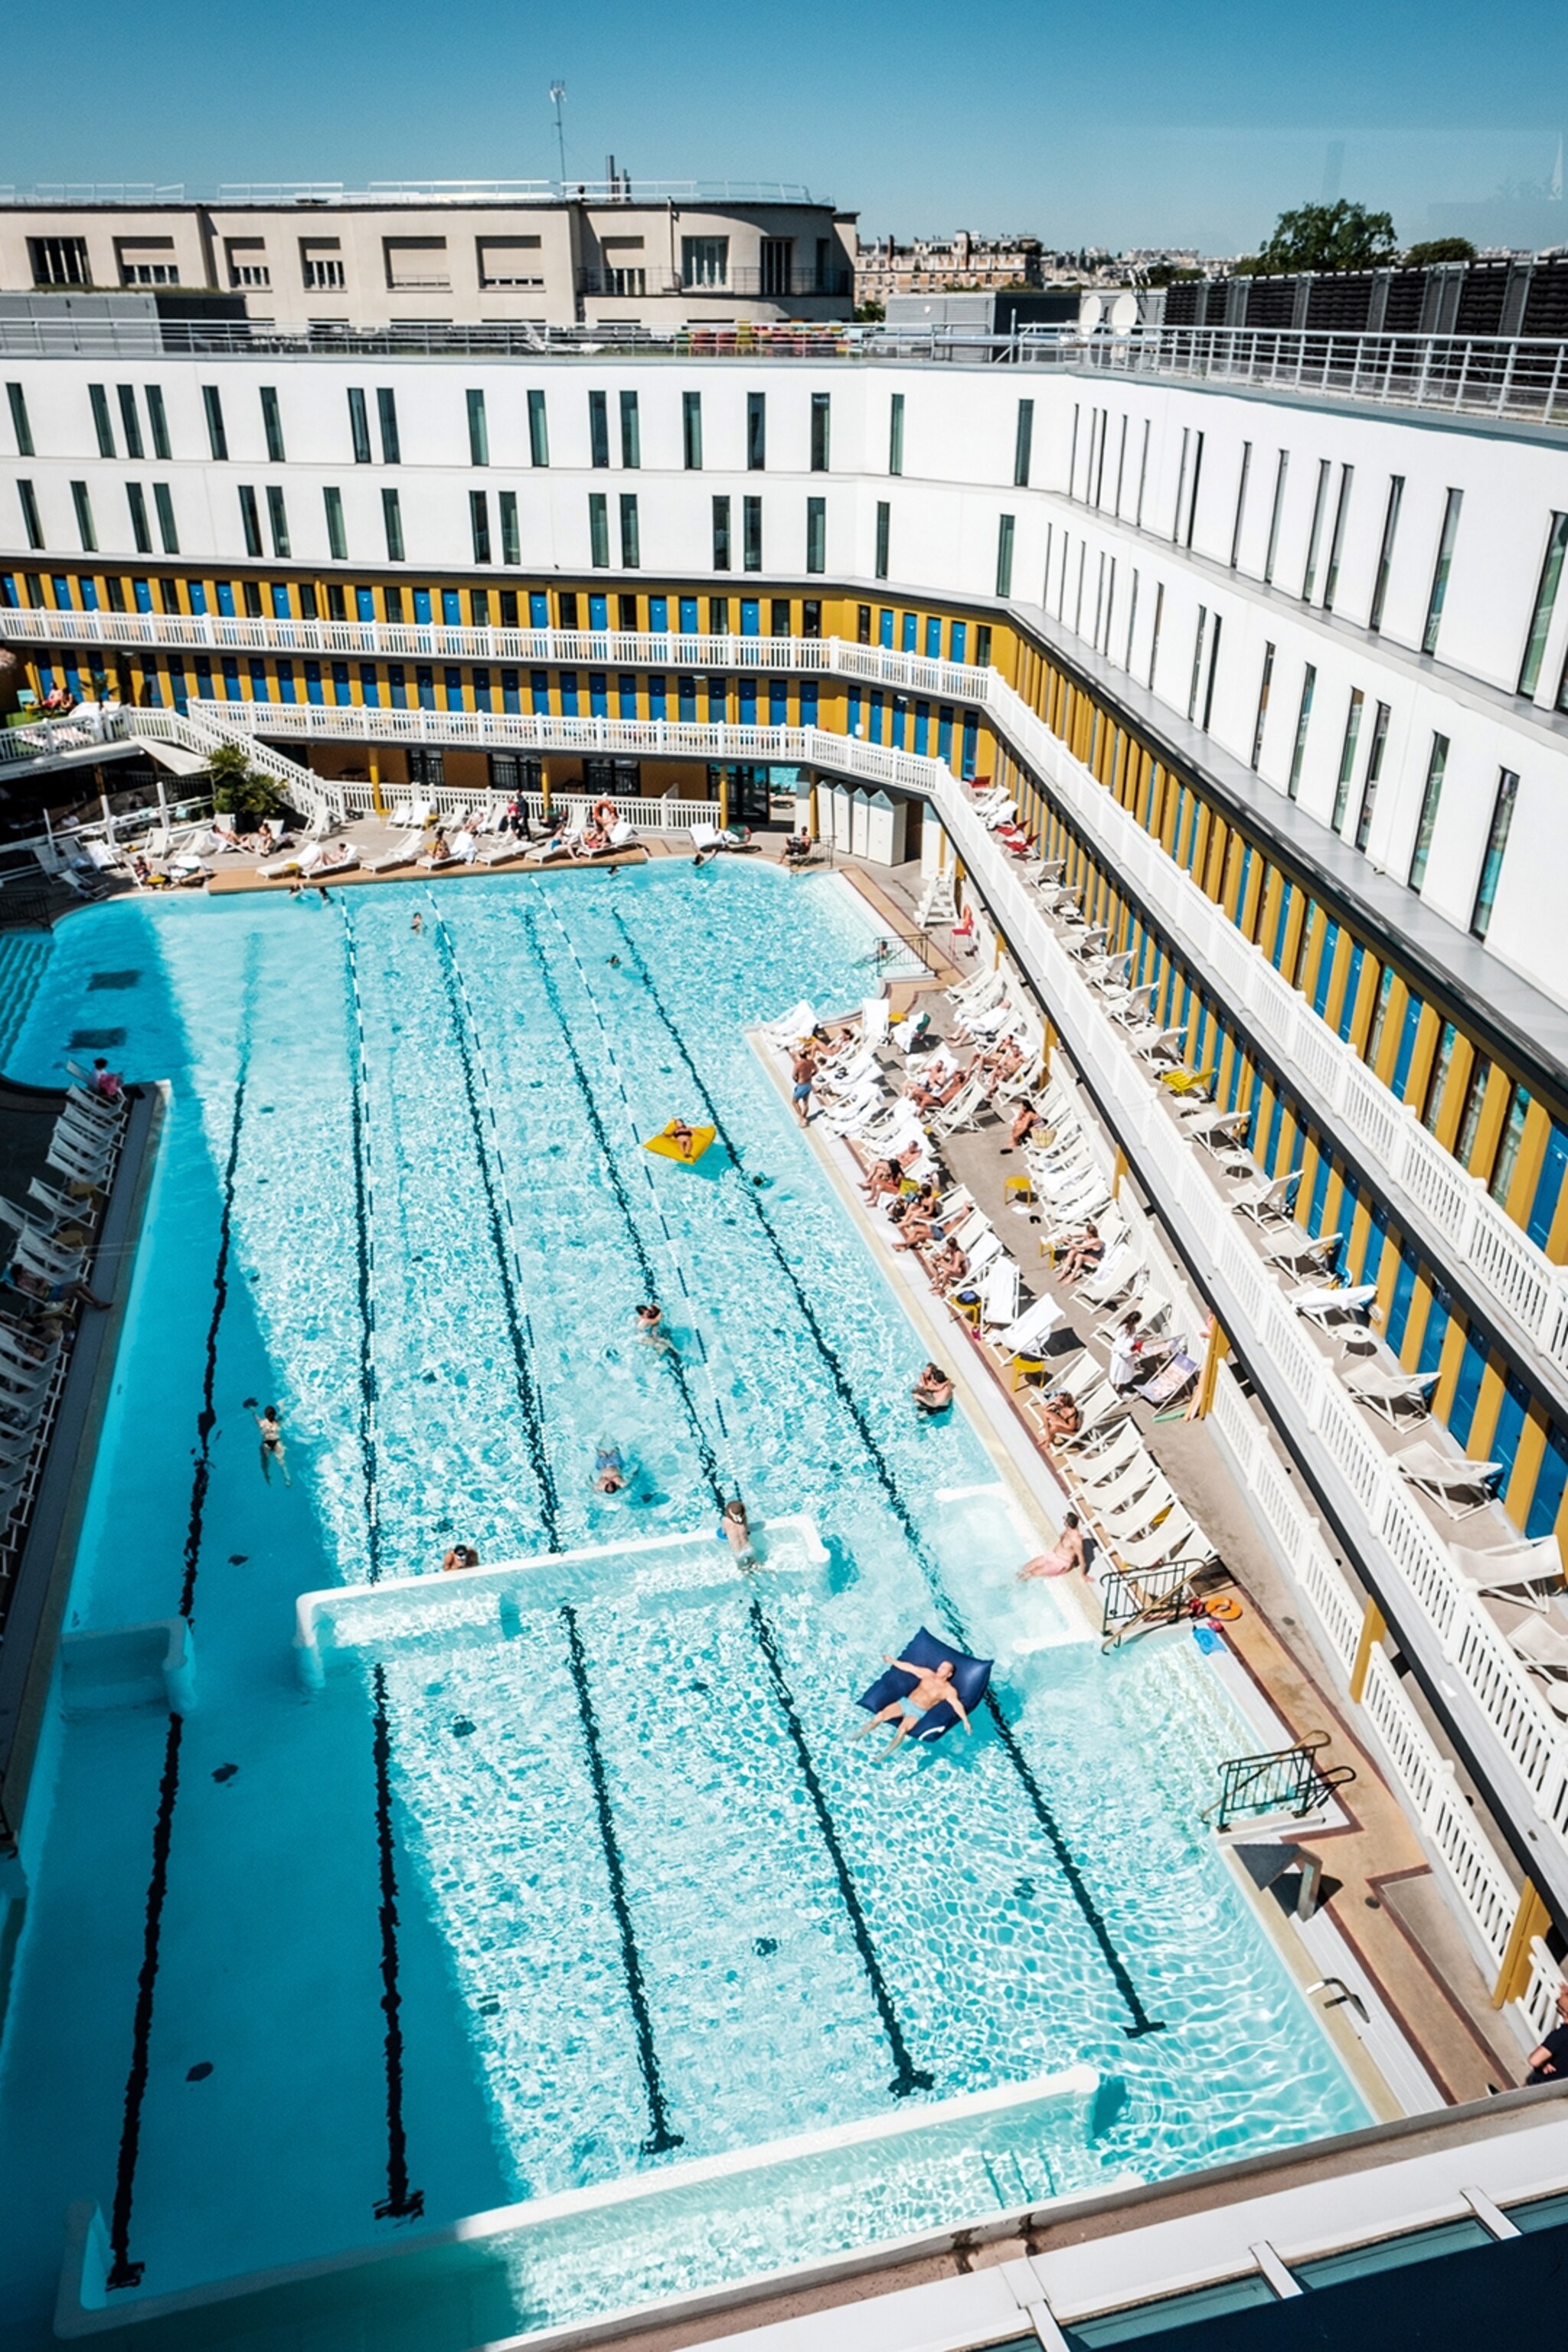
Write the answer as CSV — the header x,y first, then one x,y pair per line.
x,y
882,1181
71,1293
1025,1118
1059,1417
932,1392
947,1268
1083,1256
937,1097
917,1219
933,1688
1066,1554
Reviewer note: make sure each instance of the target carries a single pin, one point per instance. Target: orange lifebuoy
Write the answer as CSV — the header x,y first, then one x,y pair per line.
x,y
1225,1611
606,815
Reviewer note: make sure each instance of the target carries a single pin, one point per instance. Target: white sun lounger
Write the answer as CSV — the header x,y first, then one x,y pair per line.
x,y
1263,1201
1543,1645
1390,1392
403,854
1448,1480
1527,1572
1027,1335
799,1022
1326,1307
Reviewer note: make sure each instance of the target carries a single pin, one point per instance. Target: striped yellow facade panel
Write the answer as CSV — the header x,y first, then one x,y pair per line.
x,y
1448,1364
1410,1346
1488,1130
1489,1401
1529,1455
1528,1165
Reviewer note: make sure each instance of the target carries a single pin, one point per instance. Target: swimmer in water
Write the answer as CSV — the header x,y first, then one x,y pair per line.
x,y
418,924
651,1325
932,1689
461,1556
272,1429
735,1528
609,1471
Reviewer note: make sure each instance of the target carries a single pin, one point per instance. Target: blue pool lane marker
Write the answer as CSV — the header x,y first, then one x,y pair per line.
x,y
1093,1919
401,2202
364,1259
907,2076
503,1242
660,2141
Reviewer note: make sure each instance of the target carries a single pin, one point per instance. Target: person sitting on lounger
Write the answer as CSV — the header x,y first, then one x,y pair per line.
x,y
106,1083
1059,1417
1083,1256
74,1293
1549,2062
917,1219
799,847
1066,1554
932,1392
883,1181
1025,1118
933,1687
947,1268
461,1555
937,1097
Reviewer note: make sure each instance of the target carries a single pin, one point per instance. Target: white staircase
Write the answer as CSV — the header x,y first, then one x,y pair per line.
x,y
937,906
204,727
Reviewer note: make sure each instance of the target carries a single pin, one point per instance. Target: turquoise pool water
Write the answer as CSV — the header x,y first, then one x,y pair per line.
x,y
520,1907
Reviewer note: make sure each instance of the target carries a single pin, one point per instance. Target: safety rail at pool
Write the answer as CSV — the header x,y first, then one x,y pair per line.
x,y
1430,1193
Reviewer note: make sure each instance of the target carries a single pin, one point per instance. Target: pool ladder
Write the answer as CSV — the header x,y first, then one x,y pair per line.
x,y
1281,1781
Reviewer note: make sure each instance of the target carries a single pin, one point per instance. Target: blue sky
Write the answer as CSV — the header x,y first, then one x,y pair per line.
x,y
1136,122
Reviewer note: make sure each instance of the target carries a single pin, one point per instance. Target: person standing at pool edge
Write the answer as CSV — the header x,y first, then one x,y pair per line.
x,y
802,1071
272,1429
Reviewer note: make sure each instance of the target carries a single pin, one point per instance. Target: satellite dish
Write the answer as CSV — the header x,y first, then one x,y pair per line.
x,y
1090,310
1124,314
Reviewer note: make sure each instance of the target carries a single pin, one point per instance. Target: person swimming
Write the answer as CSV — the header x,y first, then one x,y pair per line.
x,y
735,1528
461,1555
609,1471
932,1392
933,1689
651,1325
272,1451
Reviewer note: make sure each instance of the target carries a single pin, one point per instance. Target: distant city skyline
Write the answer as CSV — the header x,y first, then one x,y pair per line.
x,y
1134,128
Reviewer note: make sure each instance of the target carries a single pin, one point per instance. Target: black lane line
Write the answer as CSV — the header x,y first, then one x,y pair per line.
x,y
401,2203
907,2076
660,2139
517,1320
670,1356
364,1260
1093,1919
124,2272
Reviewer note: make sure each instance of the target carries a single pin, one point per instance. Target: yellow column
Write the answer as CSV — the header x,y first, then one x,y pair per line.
x,y
1530,1920
376,801
1216,1347
1373,1630
1046,1043
723,799
1118,1172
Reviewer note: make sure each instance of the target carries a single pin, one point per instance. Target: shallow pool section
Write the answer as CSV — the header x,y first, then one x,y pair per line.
x,y
533,1886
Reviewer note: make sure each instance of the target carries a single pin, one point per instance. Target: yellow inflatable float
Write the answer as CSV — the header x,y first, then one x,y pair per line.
x,y
680,1141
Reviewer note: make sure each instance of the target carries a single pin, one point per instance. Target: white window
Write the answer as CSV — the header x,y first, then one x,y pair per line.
x,y
509,261
247,262
416,261
320,261
147,261
705,260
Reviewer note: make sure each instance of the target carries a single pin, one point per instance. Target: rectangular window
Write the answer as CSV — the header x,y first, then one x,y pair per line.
x,y
1501,1179
537,430
756,432
1303,718
158,418
102,425
359,426
83,506
212,407
30,522
1005,555
631,432
277,522
598,531
1264,686
1431,795
1440,571
598,430
751,534
721,534
631,539
165,506
692,431
884,535
1347,757
1022,445
895,435
250,520
1240,504
1373,775
141,534
1155,632
816,535
1319,501
820,424
20,425
337,538
480,525
1281,473
479,431
1496,846
1546,599
1197,661
387,417
272,426
130,423
1337,541
60,261
510,542
705,261
1386,552
1214,671
392,519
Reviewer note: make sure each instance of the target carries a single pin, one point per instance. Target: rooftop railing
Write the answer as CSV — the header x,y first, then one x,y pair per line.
x,y
618,191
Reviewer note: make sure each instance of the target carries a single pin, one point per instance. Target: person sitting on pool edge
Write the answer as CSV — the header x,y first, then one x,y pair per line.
x,y
932,1392
461,1555
735,1528
1066,1554
933,1687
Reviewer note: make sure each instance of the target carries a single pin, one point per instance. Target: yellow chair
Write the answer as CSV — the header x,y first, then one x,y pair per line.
x,y
1186,1082
1019,1185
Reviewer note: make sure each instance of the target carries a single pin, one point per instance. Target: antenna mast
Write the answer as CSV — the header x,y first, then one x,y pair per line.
x,y
558,100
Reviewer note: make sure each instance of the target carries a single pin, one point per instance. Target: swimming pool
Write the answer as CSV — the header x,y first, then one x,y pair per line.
x,y
513,1908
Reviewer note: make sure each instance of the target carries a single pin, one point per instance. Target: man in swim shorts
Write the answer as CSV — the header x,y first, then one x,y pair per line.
x,y
933,1687
1066,1554
802,1071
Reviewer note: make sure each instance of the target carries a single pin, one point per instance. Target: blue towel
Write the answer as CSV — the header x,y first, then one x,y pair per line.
x,y
970,1678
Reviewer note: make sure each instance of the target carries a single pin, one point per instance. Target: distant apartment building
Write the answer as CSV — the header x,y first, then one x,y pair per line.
x,y
944,265
586,254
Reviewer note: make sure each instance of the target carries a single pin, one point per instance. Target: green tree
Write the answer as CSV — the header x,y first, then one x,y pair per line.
x,y
1440,249
1329,236
238,790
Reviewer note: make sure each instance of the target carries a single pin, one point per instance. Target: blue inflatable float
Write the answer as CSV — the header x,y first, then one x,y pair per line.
x,y
970,1678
